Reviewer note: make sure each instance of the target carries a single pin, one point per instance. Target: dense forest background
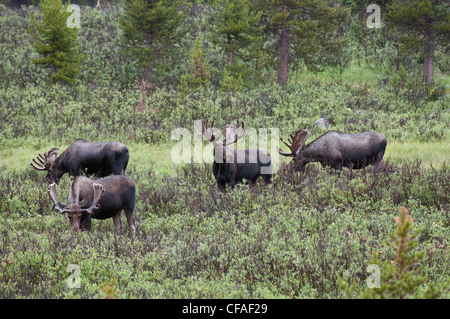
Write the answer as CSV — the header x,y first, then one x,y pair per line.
x,y
362,82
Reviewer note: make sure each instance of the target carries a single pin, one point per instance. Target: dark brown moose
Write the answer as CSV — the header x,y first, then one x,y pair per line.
x,y
83,157
98,199
232,166
335,149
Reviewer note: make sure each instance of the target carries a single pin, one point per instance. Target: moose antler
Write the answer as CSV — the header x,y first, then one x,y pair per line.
x,y
98,193
234,132
52,192
296,143
46,160
208,131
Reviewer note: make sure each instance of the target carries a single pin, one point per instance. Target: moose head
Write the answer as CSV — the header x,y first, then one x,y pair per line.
x,y
75,210
296,145
232,133
46,163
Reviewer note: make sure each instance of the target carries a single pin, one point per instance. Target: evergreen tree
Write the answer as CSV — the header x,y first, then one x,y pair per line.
x,y
150,28
230,83
56,42
421,23
401,277
199,71
236,26
306,29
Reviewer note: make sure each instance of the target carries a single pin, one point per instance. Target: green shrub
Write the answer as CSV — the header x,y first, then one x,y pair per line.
x,y
293,239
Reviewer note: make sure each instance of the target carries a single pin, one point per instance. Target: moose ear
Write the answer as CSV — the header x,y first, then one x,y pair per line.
x,y
83,202
53,152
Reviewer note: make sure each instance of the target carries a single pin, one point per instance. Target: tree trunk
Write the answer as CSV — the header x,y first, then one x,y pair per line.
x,y
230,51
284,55
149,70
428,56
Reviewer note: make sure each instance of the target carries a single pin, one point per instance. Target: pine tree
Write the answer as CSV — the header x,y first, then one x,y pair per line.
x,y
149,29
236,26
425,20
56,42
401,277
231,83
199,74
305,28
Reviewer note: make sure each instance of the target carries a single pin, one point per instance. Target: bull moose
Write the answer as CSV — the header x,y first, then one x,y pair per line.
x,y
232,166
335,149
98,199
94,158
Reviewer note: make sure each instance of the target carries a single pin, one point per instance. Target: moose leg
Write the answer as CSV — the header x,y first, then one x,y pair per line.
x,y
253,186
267,179
377,162
117,170
131,221
117,223
338,166
85,222
221,185
76,171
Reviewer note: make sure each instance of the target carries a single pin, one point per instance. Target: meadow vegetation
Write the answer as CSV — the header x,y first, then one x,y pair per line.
x,y
307,235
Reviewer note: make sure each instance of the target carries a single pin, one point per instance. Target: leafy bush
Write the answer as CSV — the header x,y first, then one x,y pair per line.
x,y
293,239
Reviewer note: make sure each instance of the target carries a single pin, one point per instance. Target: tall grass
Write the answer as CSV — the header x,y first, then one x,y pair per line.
x,y
429,154
159,157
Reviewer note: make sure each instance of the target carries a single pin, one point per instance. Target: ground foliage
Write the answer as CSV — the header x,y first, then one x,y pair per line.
x,y
294,239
